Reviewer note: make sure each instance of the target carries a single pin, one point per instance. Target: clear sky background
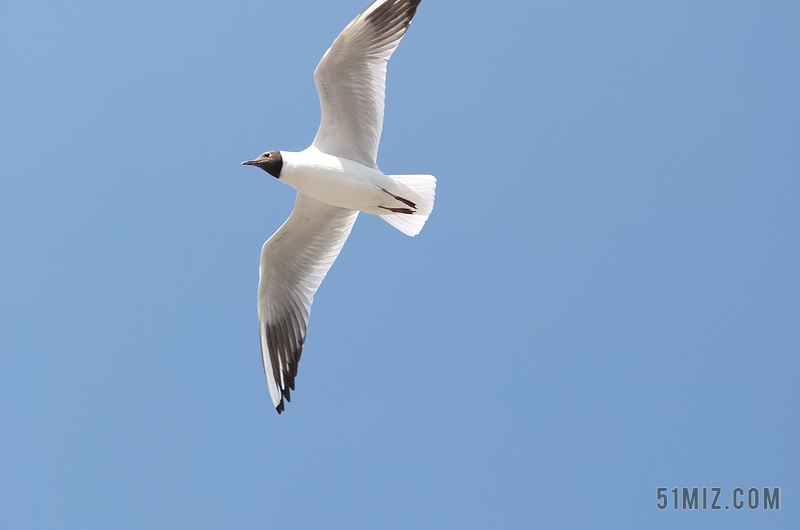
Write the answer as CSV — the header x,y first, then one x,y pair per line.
x,y
606,299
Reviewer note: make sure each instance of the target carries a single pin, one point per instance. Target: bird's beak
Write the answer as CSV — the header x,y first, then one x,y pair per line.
x,y
249,163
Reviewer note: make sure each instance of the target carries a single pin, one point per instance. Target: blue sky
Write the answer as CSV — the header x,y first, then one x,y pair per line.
x,y
606,299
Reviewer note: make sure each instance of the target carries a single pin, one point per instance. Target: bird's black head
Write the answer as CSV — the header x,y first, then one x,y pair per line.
x,y
271,162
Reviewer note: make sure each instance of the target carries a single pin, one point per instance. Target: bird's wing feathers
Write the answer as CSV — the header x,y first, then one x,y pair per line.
x,y
351,80
294,262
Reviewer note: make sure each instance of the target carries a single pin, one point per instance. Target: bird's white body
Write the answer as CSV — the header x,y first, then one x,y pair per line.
x,y
345,183
337,181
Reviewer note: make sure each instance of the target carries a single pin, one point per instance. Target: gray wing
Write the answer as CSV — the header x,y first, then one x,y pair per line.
x,y
351,80
294,262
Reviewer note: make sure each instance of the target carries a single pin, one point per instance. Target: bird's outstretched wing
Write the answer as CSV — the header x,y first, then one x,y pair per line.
x,y
294,262
351,80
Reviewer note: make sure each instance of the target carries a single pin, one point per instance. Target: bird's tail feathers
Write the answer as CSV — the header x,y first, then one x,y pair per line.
x,y
421,190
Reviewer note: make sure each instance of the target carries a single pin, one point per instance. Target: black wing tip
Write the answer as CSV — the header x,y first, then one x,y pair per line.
x,y
389,11
286,397
280,353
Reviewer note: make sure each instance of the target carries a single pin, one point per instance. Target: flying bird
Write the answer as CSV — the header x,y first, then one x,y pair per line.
x,y
335,178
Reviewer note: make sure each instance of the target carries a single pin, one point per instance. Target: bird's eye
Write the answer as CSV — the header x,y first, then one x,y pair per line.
x,y
266,155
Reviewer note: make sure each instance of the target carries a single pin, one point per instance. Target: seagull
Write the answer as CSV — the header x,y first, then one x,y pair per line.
x,y
335,178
